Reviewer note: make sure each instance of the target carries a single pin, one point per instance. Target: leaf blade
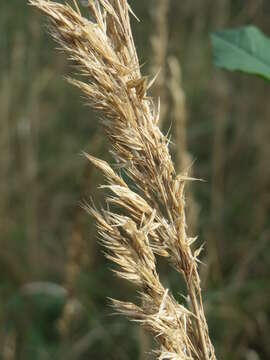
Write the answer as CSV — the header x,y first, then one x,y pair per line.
x,y
244,49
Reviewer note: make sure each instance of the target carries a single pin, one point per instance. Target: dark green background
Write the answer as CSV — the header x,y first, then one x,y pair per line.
x,y
44,127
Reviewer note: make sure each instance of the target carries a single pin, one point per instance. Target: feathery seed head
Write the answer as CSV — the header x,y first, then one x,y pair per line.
x,y
148,217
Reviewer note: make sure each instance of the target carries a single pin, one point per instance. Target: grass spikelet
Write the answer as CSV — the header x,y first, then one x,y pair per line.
x,y
149,218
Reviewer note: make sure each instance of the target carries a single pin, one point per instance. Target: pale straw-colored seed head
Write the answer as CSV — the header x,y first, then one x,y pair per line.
x,y
148,217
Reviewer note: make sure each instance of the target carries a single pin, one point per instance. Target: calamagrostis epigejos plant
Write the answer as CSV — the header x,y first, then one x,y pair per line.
x,y
149,218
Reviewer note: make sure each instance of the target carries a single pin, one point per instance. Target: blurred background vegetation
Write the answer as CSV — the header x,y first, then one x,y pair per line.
x,y
54,280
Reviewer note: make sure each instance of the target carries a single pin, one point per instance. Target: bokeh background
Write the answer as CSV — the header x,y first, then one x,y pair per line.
x,y
54,280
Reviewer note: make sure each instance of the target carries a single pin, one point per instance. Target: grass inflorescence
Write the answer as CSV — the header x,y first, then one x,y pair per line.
x,y
147,220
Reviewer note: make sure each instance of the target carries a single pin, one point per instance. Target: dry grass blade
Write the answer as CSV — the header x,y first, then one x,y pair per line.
x,y
149,218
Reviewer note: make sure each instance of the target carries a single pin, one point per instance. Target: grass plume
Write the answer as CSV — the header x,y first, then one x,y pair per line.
x,y
147,219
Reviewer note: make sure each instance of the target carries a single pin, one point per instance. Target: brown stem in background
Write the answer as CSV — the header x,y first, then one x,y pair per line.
x,y
183,159
5,101
159,47
220,92
77,256
28,129
29,140
8,346
9,85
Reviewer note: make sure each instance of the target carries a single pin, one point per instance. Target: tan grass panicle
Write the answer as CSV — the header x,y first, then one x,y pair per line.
x,y
149,217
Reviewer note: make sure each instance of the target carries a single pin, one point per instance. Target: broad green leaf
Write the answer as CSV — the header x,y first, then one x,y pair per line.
x,y
245,49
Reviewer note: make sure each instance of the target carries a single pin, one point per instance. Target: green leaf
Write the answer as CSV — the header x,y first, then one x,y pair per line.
x,y
245,49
